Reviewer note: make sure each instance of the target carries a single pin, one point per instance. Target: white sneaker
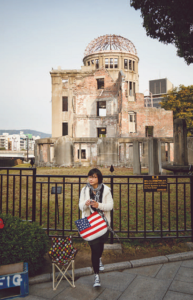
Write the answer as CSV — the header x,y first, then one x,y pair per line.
x,y
101,266
96,281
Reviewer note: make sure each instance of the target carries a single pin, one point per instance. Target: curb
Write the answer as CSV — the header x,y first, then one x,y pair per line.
x,y
120,266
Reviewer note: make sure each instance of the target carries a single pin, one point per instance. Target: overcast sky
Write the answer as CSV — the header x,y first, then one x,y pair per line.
x,y
39,35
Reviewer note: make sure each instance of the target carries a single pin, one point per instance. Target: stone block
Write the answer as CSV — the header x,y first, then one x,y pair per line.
x,y
169,270
115,248
39,279
180,256
148,261
181,287
117,266
150,271
146,288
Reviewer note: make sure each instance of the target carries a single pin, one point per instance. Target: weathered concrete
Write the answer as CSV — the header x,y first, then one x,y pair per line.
x,y
63,149
148,261
107,150
153,156
180,143
163,281
136,159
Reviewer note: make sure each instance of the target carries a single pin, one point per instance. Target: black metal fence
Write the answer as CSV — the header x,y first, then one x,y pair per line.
x,y
136,214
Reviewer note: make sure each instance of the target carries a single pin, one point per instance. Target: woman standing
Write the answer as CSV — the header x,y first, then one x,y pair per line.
x,y
96,196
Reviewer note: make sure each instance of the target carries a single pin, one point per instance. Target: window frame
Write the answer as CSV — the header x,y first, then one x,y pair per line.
x,y
101,129
98,108
99,84
64,105
83,151
63,128
125,64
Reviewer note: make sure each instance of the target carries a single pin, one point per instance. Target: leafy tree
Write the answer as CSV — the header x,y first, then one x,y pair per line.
x,y
169,21
180,100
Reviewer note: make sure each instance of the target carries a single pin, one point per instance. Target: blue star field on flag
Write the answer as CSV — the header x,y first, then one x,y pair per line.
x,y
82,224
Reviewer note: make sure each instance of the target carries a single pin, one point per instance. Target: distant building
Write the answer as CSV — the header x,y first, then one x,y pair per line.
x,y
17,142
97,111
158,88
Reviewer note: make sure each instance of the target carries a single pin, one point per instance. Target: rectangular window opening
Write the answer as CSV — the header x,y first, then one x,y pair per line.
x,y
130,65
125,63
101,132
106,63
64,103
64,129
111,63
132,122
149,131
115,63
101,108
100,83
88,63
97,63
83,154
133,65
92,62
130,89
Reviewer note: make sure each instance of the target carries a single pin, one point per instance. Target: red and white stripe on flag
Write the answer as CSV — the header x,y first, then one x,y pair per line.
x,y
97,229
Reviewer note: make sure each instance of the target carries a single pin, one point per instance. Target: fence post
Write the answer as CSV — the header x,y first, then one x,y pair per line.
x,y
34,196
191,199
111,239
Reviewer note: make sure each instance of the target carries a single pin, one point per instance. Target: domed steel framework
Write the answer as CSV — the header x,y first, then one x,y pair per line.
x,y
110,42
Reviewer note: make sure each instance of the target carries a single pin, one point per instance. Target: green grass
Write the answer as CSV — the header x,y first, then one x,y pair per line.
x,y
131,203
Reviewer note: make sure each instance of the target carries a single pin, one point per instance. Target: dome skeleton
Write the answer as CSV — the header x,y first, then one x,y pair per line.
x,y
113,42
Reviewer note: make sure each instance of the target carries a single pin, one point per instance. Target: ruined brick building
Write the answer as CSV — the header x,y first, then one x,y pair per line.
x,y
97,111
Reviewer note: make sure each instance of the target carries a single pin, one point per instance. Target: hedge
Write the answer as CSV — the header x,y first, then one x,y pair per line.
x,y
21,241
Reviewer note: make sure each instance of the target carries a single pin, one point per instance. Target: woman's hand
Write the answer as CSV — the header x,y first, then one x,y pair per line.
x,y
94,204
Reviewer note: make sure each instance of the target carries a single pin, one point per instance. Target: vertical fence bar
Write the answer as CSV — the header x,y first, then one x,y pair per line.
x,y
20,183
1,191
41,203
48,209
63,218
27,197
161,215
71,205
13,212
144,214
111,238
184,206
191,199
177,206
7,204
34,196
79,183
169,224
153,211
55,206
119,206
128,207
136,198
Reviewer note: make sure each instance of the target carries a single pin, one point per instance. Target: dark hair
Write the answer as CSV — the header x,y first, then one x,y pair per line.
x,y
98,173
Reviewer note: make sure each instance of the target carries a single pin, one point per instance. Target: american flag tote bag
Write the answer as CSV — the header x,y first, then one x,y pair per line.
x,y
92,227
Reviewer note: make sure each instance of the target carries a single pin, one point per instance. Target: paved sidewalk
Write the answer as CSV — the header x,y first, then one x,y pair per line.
x,y
166,277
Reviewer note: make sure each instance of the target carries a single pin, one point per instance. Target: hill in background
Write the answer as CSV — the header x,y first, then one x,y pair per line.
x,y
25,131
